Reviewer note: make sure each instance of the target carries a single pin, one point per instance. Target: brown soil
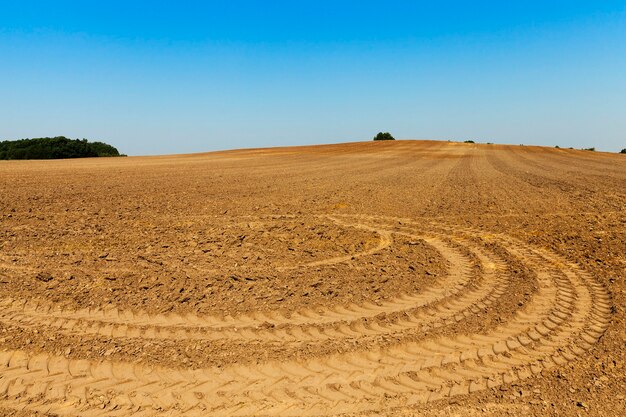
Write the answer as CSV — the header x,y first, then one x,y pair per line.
x,y
393,278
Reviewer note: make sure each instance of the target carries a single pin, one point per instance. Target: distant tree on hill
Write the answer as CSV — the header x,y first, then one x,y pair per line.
x,y
58,147
623,151
469,141
384,136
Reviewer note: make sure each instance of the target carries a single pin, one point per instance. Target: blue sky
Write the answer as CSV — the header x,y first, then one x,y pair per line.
x,y
154,77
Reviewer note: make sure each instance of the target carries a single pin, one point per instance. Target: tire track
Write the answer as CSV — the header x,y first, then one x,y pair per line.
x,y
303,325
434,308
564,319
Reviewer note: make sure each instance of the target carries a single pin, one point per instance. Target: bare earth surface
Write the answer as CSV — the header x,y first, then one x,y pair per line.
x,y
397,278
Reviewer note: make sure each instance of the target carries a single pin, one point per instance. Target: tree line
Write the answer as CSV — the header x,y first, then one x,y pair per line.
x,y
58,147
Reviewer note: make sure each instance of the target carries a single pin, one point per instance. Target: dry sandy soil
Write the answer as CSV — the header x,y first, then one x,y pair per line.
x,y
388,279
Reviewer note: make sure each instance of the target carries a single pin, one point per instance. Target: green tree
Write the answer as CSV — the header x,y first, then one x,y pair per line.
x,y
54,148
384,136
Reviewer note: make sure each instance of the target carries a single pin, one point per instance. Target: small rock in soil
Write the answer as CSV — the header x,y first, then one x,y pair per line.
x,y
44,277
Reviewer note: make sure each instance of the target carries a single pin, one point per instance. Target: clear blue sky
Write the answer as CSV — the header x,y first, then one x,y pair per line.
x,y
154,77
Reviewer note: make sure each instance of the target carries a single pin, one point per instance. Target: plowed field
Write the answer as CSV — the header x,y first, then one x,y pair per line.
x,y
380,278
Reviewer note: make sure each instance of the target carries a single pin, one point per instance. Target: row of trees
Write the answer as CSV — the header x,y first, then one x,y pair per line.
x,y
54,148
387,136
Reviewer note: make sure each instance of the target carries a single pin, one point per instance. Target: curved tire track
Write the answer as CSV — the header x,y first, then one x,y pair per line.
x,y
566,316
450,296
